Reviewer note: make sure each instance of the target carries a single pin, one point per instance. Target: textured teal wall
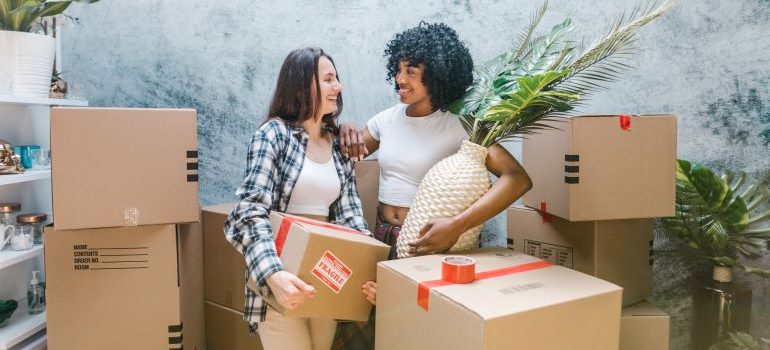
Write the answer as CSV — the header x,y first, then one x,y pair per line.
x,y
708,62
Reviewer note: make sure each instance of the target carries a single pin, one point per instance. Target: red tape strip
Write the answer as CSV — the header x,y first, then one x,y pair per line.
x,y
423,288
544,212
625,122
283,230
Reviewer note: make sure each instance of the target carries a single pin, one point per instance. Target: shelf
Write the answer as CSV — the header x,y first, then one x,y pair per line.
x,y
29,175
23,100
8,256
36,342
21,326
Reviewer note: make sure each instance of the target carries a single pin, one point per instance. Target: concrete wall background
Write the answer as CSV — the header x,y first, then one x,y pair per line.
x,y
708,62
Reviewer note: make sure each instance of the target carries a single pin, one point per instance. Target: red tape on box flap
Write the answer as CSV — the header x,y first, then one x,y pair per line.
x,y
544,212
423,288
283,230
625,122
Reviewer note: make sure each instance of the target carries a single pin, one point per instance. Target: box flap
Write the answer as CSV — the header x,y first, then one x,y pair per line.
x,y
643,308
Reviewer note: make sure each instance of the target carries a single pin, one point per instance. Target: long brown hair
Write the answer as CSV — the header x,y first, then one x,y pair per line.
x,y
293,96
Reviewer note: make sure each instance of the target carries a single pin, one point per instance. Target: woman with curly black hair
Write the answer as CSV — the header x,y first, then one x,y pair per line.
x,y
430,68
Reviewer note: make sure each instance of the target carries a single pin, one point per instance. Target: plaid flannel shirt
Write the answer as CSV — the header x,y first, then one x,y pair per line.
x,y
274,162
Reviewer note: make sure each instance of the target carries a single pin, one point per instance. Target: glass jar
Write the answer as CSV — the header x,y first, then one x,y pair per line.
x,y
35,220
7,211
23,238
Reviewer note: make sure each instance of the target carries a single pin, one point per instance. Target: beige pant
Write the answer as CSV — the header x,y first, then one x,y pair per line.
x,y
280,332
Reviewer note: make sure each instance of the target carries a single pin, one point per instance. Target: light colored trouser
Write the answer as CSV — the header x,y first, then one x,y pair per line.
x,y
280,332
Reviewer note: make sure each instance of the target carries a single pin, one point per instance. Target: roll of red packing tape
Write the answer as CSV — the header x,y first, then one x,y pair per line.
x,y
458,269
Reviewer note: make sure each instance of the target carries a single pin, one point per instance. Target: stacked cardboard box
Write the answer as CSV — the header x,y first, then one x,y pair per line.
x,y
516,301
224,283
123,258
643,326
597,183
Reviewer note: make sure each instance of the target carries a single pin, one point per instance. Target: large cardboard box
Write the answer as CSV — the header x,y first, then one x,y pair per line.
x,y
617,251
367,182
643,326
603,167
123,167
226,330
524,304
223,267
334,259
125,288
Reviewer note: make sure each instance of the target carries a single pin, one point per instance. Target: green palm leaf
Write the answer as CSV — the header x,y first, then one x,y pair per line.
x,y
721,217
19,15
497,107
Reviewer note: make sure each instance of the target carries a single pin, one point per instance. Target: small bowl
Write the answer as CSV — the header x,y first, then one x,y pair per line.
x,y
6,315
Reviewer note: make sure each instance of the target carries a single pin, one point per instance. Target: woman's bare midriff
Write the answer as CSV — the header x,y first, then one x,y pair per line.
x,y
394,215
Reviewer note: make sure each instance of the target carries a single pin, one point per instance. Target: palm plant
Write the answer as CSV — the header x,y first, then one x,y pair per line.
x,y
546,76
736,341
721,217
19,15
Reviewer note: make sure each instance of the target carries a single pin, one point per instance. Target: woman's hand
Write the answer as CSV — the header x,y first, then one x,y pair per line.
x,y
369,288
352,142
437,236
289,290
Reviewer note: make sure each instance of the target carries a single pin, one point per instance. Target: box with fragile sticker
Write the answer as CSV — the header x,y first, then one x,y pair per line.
x,y
617,251
603,167
515,301
335,260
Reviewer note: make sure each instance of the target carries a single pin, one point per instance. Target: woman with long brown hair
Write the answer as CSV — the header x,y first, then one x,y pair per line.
x,y
294,165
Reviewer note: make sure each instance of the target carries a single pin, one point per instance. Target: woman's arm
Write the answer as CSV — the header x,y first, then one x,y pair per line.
x,y
438,235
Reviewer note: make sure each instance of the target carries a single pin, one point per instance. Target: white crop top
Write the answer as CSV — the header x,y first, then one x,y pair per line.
x,y
409,147
317,187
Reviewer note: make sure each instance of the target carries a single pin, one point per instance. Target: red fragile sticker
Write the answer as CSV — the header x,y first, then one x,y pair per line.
x,y
332,271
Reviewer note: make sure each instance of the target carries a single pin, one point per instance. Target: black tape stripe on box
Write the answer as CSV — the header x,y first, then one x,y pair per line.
x,y
572,179
175,340
571,157
192,154
175,328
192,166
192,177
571,169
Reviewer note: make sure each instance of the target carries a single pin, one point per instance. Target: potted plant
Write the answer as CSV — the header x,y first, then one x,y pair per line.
x,y
542,77
26,58
719,220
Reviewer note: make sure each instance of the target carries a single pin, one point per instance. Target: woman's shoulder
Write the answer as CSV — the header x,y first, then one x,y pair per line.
x,y
274,127
395,111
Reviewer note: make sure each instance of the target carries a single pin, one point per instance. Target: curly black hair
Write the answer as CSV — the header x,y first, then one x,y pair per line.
x,y
448,63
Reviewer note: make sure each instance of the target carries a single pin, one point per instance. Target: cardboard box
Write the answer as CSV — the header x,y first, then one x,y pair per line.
x,y
123,167
125,288
594,169
223,267
616,251
644,327
546,308
334,259
368,184
226,330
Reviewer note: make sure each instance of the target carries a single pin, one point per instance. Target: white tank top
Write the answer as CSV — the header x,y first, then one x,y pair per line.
x,y
317,187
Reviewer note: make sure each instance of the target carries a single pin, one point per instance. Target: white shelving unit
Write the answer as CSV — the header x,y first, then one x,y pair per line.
x,y
10,257
29,175
25,121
